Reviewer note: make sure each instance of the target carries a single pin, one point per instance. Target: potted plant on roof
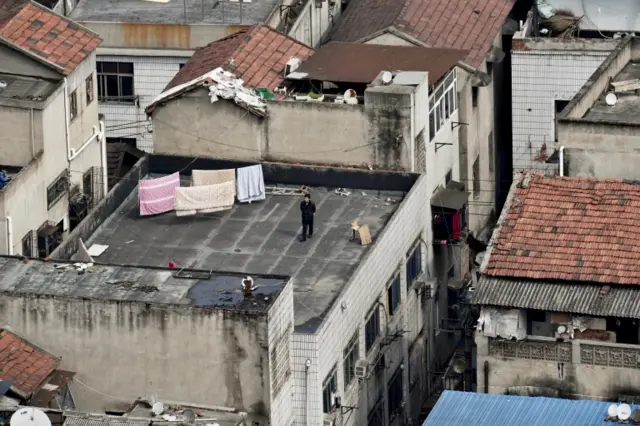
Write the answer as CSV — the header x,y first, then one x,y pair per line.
x,y
315,97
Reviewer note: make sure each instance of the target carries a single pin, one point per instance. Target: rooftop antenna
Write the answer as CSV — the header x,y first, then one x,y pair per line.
x,y
30,417
611,99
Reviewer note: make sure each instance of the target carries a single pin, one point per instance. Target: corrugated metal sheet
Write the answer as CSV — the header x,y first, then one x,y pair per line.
x,y
478,409
102,421
584,298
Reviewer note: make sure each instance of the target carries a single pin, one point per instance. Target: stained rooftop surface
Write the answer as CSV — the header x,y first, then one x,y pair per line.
x,y
173,12
568,228
627,107
135,284
257,238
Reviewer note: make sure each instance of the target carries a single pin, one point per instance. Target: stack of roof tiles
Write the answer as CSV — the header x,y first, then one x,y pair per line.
x,y
568,228
452,24
42,32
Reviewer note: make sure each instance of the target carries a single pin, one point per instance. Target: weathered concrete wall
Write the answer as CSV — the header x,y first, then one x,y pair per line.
x,y
103,210
577,369
293,131
19,129
129,349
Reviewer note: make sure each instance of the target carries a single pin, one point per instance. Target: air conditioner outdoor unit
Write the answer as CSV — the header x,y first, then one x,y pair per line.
x,y
425,286
361,368
329,419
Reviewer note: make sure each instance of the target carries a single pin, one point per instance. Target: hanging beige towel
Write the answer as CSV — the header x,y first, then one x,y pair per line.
x,y
213,177
204,199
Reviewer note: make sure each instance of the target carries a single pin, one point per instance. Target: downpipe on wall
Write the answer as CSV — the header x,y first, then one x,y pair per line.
x,y
561,157
307,366
10,235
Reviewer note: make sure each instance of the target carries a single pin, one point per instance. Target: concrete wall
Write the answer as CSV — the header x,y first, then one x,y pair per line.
x,y
151,74
293,131
545,70
15,62
20,133
129,349
581,369
368,287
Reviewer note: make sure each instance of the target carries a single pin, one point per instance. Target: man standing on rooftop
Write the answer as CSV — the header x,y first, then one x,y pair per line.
x,y
308,209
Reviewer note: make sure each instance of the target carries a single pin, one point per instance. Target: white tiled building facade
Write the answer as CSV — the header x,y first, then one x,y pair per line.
x,y
543,82
126,85
383,398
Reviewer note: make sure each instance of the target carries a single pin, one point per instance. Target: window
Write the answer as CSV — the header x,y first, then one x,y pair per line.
x,y
73,105
432,125
181,65
27,244
372,329
476,177
126,141
492,159
442,104
448,177
351,355
396,394
88,84
115,82
474,96
329,390
87,182
393,295
414,265
57,189
560,105
376,415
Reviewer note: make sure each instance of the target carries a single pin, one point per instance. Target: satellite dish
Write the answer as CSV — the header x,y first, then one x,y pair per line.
x,y
157,409
624,412
30,417
387,77
350,94
189,416
612,411
459,366
611,99
562,329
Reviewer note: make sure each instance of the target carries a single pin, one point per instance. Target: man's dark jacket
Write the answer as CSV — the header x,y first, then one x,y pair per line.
x,y
308,211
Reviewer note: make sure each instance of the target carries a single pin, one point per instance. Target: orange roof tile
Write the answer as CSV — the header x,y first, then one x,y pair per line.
x,y
27,366
567,228
257,55
46,34
448,24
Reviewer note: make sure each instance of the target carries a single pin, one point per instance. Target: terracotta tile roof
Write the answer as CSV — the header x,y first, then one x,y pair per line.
x,y
27,366
367,60
574,229
257,55
46,34
451,24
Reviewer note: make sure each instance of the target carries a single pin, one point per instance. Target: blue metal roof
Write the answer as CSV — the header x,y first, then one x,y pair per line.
x,y
479,409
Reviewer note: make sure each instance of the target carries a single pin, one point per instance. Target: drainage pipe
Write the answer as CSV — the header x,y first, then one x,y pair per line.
x,y
486,377
103,147
562,160
9,236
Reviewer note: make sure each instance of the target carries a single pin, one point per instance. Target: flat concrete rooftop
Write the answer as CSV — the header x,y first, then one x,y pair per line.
x,y
175,12
257,238
136,284
627,107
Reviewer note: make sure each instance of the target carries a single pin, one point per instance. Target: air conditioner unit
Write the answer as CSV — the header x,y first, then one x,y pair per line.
x,y
361,368
425,286
329,419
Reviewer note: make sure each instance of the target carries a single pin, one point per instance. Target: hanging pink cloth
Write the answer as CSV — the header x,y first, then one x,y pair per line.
x,y
157,196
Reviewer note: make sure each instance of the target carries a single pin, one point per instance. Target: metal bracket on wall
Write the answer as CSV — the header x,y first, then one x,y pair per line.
x,y
441,144
455,124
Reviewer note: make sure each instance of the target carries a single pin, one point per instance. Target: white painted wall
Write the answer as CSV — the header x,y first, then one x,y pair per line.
x,y
539,78
313,22
151,76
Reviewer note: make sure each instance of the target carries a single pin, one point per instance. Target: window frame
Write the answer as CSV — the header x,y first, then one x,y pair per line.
x,y
476,178
29,238
391,306
396,396
442,103
413,267
73,105
350,356
89,89
331,381
102,75
61,180
371,327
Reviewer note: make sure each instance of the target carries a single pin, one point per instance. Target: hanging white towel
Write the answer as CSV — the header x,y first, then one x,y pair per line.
x,y
204,199
250,184
213,177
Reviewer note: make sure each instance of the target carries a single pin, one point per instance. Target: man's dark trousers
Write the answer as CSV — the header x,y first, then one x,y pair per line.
x,y
307,227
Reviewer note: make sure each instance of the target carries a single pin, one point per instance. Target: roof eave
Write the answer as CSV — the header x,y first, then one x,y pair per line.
x,y
33,56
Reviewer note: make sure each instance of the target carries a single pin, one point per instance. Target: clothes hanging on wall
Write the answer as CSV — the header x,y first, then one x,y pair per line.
x,y
250,184
157,196
204,199
213,177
